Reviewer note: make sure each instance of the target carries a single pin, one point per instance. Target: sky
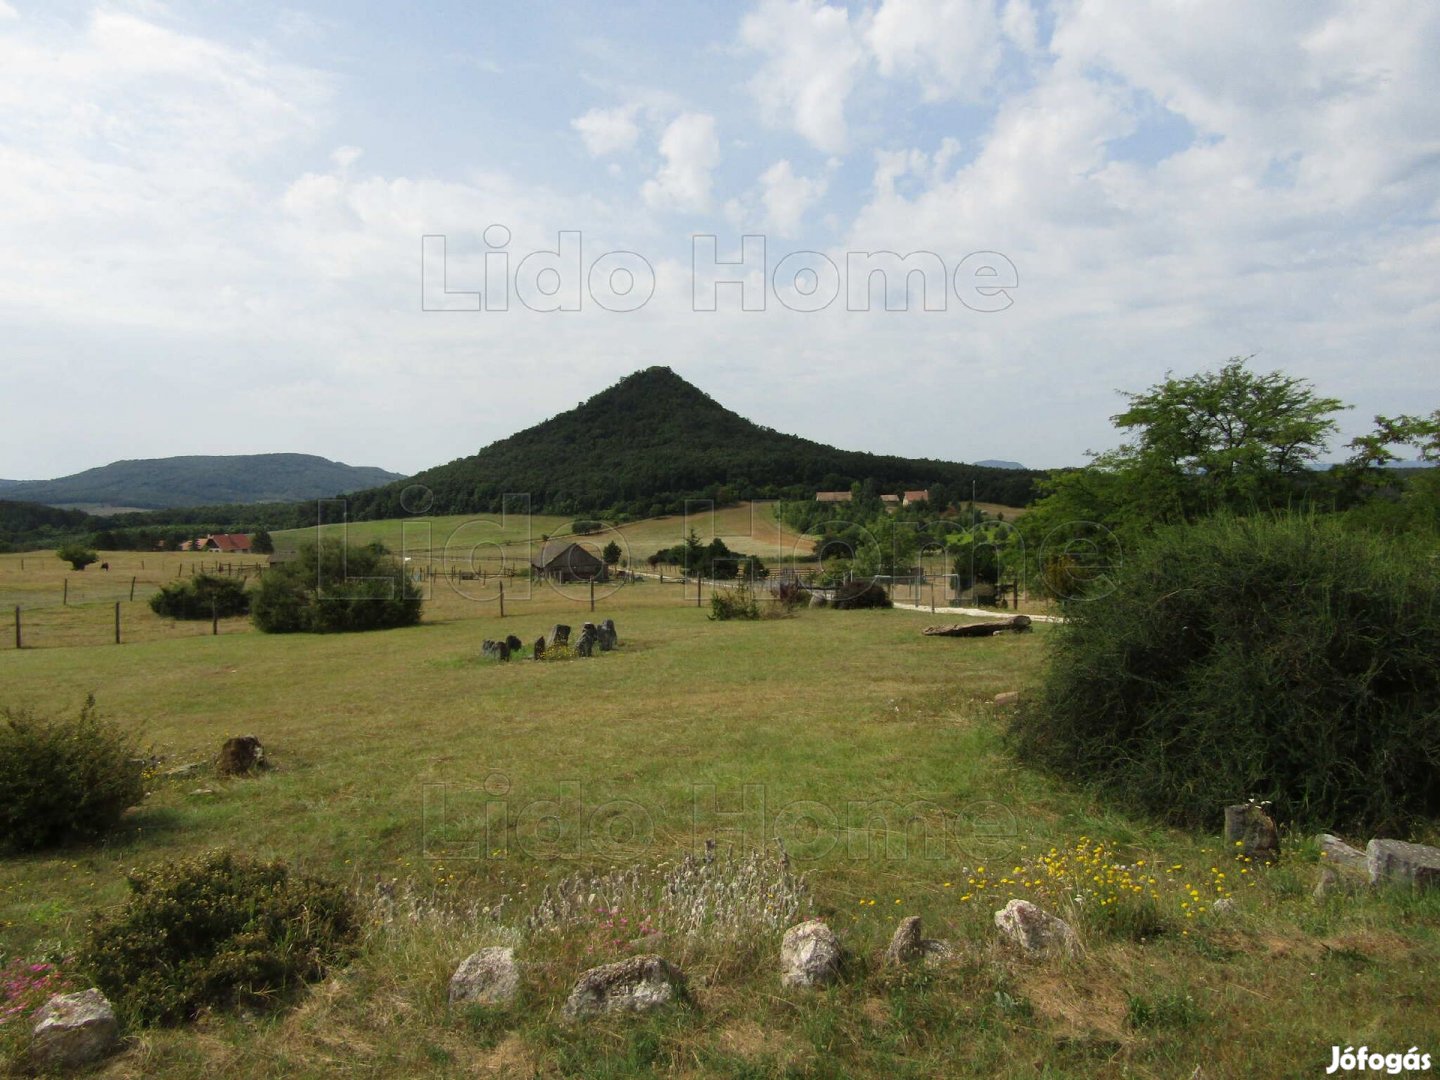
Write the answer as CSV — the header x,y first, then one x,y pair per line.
x,y
214,218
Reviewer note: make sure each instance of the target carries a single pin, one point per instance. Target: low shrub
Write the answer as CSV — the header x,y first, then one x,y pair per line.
x,y
1277,657
201,596
64,779
733,604
77,555
218,930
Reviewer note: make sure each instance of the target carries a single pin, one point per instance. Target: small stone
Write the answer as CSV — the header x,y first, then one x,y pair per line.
x,y
241,756
1327,883
1251,830
936,953
1397,862
810,955
538,649
488,977
1037,932
585,644
1223,907
495,650
72,1030
180,772
639,984
1010,697
203,791
905,944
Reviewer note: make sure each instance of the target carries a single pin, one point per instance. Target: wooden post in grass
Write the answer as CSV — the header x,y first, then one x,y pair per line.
x,y
17,626
592,594
214,620
117,622
502,599
65,596
932,598
132,590
699,584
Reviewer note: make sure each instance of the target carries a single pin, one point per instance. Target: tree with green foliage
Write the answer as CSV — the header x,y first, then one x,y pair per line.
x,y
611,554
77,555
330,587
261,543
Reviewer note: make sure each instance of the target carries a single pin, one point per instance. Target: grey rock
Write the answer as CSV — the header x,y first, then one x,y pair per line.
x,y
1397,862
488,977
559,635
1037,932
1335,852
495,650
1224,906
72,1030
608,638
585,644
1248,827
904,945
539,647
180,772
819,600
1327,883
935,953
810,955
638,984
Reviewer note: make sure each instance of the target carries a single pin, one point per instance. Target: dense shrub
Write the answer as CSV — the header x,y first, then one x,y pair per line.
x,y
860,594
64,779
215,931
200,596
329,588
1275,657
77,555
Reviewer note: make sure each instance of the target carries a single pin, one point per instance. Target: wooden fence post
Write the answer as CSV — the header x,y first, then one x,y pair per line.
x,y
117,622
17,626
699,584
214,620
502,599
132,590
65,597
592,594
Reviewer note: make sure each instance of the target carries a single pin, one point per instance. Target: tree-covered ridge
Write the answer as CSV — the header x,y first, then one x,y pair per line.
x,y
653,440
156,483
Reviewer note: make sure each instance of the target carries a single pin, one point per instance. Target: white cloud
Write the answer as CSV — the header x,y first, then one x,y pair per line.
x,y
952,47
608,131
787,197
691,151
8,12
813,59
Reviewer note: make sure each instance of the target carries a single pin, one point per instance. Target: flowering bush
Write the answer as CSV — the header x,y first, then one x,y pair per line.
x,y
64,779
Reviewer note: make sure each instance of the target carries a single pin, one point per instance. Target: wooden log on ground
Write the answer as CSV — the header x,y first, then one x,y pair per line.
x,y
1016,624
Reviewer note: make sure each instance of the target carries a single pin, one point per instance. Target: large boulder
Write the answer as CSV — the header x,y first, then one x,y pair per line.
x,y
559,635
1037,932
240,756
1396,862
495,650
72,1030
1250,829
638,984
488,977
1334,852
908,945
810,955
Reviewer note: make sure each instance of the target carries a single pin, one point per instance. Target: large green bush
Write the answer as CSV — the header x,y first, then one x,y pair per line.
x,y
201,596
1275,657
329,588
64,779
215,931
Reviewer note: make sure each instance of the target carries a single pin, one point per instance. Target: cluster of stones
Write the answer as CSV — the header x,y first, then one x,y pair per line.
x,y
591,637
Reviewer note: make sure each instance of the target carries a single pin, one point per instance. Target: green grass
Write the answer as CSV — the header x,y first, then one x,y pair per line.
x,y
872,750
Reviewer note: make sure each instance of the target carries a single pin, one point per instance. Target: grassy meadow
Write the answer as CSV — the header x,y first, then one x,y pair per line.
x,y
405,760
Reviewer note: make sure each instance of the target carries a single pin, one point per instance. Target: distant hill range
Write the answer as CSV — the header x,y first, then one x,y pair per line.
x,y
200,480
994,463
653,440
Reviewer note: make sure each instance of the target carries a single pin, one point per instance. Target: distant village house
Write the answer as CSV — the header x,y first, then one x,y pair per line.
x,y
833,496
228,543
